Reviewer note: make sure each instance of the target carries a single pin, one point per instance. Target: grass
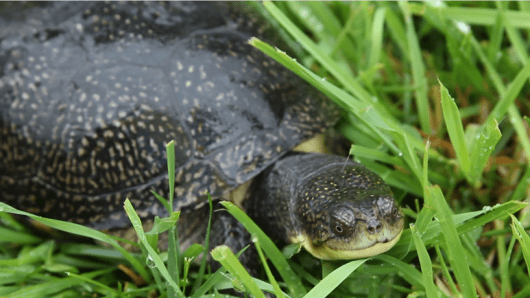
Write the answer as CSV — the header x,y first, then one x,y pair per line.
x,y
434,99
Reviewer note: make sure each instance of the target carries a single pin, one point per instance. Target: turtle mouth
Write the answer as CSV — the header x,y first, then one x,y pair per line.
x,y
327,252
361,244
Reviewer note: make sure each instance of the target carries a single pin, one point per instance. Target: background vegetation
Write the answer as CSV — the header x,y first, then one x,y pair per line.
x,y
435,98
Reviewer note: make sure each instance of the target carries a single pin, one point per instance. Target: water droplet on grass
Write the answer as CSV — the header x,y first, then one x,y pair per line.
x,y
150,262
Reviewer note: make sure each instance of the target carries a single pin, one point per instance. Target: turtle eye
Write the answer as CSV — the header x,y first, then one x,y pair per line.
x,y
395,212
341,228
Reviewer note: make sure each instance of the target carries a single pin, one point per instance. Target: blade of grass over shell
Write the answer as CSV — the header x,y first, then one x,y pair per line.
x,y
454,245
226,257
137,225
317,17
425,263
361,151
173,251
395,178
334,279
162,200
344,99
361,110
82,231
202,267
418,71
170,151
292,281
347,81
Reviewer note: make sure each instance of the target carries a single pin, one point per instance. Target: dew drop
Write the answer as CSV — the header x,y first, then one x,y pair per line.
x,y
487,208
150,262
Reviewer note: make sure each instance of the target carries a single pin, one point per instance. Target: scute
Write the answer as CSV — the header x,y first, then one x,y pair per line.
x,y
90,93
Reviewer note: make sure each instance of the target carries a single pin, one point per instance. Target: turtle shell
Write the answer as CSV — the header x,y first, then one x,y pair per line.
x,y
91,92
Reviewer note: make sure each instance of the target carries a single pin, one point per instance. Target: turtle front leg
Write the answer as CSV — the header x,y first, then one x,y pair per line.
x,y
226,230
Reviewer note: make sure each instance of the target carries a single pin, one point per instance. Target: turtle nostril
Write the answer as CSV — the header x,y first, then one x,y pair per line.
x,y
372,229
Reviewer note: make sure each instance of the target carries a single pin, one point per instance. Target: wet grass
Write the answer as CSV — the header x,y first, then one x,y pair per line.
x,y
435,100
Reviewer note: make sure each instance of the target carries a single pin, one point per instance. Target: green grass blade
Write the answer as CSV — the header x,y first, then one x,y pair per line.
x,y
496,36
465,222
369,115
270,276
137,225
455,130
397,30
425,263
19,237
202,267
102,289
377,37
56,285
361,151
523,238
226,257
407,271
334,279
418,71
477,16
487,137
408,154
445,269
454,245
427,212
500,109
520,46
82,231
173,251
346,80
292,281
170,151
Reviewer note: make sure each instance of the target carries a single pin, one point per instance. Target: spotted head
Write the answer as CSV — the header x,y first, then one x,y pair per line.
x,y
347,212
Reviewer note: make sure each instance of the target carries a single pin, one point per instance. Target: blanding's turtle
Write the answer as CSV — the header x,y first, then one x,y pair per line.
x,y
90,93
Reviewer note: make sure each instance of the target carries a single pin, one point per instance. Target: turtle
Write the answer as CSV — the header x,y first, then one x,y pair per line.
x,y
91,92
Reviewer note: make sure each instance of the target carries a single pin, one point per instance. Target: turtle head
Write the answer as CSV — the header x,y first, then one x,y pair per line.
x,y
347,212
